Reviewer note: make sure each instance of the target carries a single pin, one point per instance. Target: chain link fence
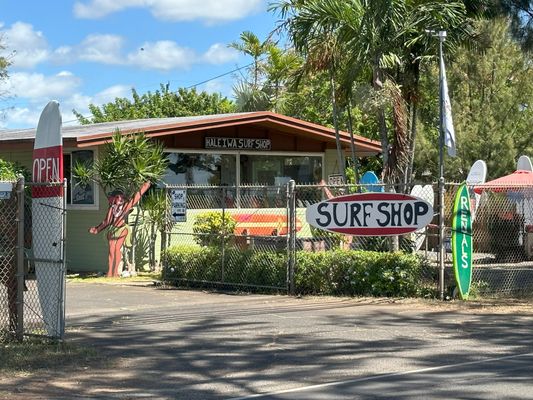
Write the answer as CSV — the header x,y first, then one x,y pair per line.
x,y
502,232
9,296
227,236
250,236
32,263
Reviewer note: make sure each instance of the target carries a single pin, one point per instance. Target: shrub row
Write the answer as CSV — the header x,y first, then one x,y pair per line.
x,y
337,272
262,268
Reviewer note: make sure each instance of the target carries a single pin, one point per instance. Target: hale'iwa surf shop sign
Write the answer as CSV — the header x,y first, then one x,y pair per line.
x,y
462,241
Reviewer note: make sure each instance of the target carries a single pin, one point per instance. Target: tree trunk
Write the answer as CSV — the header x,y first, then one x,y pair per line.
x,y
412,144
377,84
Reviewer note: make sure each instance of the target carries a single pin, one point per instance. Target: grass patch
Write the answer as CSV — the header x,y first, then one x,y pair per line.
x,y
99,278
35,354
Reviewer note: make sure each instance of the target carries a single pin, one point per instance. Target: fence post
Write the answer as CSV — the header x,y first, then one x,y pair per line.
x,y
441,238
20,259
164,227
63,261
223,249
291,248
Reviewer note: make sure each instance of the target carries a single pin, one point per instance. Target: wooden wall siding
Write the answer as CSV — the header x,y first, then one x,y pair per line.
x,y
280,141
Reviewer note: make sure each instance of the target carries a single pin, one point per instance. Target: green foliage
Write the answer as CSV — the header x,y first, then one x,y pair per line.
x,y
10,171
491,91
333,239
213,228
127,162
160,104
343,273
5,62
359,273
156,205
241,266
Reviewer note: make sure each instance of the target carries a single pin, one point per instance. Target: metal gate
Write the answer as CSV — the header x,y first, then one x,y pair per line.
x,y
32,294
228,236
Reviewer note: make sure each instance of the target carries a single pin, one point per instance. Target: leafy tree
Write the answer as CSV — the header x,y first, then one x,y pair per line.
x,y
4,65
251,45
160,104
520,13
10,171
491,90
380,41
127,163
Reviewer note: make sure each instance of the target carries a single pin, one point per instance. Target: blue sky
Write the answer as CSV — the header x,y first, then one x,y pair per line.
x,y
91,51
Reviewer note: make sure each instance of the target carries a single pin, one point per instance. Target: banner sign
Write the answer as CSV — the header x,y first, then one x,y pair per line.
x,y
237,143
462,241
371,214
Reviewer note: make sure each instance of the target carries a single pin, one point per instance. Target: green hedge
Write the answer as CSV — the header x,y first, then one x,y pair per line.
x,y
262,268
337,272
359,273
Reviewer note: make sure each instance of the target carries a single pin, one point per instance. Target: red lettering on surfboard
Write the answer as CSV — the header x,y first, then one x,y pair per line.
x,y
47,167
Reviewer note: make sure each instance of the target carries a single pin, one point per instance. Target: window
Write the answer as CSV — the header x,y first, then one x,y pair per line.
x,y
278,170
201,169
80,196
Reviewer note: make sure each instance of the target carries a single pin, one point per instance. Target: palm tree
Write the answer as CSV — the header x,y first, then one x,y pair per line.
x,y
251,45
382,40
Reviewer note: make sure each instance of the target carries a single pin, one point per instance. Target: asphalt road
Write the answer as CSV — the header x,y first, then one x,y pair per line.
x,y
175,344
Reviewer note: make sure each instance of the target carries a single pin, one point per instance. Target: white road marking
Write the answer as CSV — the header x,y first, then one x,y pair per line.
x,y
383,376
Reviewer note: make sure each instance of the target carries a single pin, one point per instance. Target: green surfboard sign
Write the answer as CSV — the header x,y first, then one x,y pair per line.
x,y
462,241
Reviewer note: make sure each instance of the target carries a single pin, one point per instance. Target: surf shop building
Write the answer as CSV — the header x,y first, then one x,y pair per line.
x,y
233,150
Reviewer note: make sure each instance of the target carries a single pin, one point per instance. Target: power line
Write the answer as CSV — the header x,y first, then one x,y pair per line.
x,y
199,83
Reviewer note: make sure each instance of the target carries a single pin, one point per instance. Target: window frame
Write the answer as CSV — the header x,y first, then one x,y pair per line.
x,y
90,207
238,154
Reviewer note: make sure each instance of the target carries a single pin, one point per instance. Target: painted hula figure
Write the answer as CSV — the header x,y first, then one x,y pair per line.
x,y
118,232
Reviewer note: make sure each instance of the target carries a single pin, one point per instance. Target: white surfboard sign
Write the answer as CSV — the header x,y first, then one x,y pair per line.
x,y
424,192
524,164
371,214
47,219
523,206
476,176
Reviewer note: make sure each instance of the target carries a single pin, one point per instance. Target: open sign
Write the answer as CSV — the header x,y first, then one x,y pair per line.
x,y
371,214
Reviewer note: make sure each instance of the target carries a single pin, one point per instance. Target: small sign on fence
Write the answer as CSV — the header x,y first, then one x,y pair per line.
x,y
5,190
178,199
335,180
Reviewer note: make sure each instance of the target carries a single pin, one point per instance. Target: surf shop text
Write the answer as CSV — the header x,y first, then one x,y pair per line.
x,y
372,214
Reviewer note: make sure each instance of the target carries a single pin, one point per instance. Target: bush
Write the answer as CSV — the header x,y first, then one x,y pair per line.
x,y
338,272
261,268
358,273
213,228
191,263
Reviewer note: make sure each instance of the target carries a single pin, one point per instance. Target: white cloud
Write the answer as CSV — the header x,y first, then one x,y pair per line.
x,y
219,53
101,48
28,115
163,55
21,117
29,46
35,86
173,10
32,48
218,86
111,93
